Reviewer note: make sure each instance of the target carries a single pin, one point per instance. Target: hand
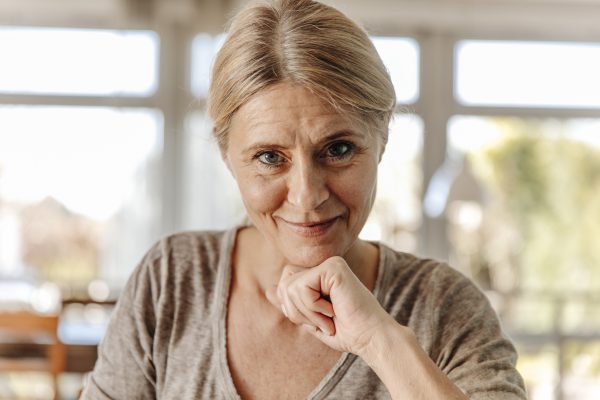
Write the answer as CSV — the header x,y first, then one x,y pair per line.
x,y
331,303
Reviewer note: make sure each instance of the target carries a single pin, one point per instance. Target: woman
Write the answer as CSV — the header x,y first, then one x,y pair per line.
x,y
295,305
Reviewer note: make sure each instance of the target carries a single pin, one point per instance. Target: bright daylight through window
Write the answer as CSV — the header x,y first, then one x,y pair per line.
x,y
74,180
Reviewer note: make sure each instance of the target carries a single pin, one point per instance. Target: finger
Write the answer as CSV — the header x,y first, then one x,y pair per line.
x,y
273,297
306,304
289,270
322,336
325,324
314,298
278,295
289,309
294,314
324,307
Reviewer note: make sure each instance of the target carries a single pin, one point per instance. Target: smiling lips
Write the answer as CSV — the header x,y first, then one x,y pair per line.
x,y
311,229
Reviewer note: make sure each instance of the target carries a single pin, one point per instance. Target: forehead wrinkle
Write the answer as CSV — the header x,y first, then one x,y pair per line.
x,y
313,127
260,114
288,118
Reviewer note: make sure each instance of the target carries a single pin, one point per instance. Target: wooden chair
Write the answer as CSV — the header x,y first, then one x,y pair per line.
x,y
30,343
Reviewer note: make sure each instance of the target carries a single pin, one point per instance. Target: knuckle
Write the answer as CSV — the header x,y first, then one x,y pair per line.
x,y
337,262
288,270
281,292
295,316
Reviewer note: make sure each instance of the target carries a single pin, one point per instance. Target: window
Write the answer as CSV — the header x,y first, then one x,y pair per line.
x,y
519,200
205,172
78,62
543,74
396,215
401,57
527,238
204,50
75,182
81,182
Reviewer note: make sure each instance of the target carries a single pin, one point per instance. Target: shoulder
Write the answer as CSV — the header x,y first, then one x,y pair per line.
x,y
180,251
432,297
185,246
163,311
423,279
179,265
454,323
407,264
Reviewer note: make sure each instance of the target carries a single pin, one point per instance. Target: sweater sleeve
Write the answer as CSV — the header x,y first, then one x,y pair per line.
x,y
125,368
471,347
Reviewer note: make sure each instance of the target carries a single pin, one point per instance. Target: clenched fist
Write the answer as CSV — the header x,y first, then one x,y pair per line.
x,y
330,302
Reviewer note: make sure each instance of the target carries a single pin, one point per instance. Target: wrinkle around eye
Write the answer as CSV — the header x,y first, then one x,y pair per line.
x,y
352,150
273,166
262,158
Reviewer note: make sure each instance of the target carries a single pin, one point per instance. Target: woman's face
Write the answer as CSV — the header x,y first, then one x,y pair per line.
x,y
307,173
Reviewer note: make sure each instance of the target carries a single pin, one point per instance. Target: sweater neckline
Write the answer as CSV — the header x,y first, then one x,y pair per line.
x,y
223,284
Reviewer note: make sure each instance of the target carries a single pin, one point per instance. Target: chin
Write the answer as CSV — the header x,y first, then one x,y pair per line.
x,y
311,256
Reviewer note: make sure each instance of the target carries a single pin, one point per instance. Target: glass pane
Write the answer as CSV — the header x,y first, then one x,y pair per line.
x,y
396,215
539,366
79,190
580,315
541,184
531,314
401,57
205,172
582,375
78,62
543,74
533,245
204,50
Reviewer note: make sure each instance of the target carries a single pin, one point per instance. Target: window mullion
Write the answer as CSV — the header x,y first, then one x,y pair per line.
x,y
434,105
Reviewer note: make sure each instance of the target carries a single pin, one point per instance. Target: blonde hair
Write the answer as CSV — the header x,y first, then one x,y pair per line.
x,y
306,43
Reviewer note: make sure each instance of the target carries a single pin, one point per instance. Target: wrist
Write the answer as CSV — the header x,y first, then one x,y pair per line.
x,y
384,342
397,358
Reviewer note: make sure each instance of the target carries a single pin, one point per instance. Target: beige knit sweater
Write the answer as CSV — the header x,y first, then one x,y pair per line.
x,y
166,337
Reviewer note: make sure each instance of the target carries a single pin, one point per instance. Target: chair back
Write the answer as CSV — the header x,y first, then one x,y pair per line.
x,y
24,329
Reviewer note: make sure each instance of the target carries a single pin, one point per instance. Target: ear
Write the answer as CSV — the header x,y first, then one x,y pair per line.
x,y
382,146
381,151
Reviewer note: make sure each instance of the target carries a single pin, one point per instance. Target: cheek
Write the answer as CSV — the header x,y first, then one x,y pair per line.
x,y
357,189
260,194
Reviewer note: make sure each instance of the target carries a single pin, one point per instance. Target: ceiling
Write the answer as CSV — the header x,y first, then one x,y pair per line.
x,y
577,19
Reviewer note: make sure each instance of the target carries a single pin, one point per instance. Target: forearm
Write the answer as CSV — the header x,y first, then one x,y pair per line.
x,y
405,369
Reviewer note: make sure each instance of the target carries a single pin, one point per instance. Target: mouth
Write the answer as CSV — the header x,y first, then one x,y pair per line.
x,y
312,228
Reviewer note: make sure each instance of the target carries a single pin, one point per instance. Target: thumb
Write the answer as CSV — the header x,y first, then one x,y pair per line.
x,y
329,340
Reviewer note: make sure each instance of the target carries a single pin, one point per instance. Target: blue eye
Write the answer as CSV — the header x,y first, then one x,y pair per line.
x,y
339,150
269,158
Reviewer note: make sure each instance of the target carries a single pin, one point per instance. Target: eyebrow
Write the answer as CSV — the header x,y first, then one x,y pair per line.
x,y
345,133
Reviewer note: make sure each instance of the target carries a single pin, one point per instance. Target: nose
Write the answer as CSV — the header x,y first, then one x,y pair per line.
x,y
307,185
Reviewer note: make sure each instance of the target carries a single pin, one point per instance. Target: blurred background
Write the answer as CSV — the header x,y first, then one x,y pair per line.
x,y
493,164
